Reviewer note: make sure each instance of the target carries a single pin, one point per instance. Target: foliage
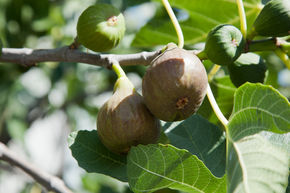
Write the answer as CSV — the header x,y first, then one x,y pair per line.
x,y
199,154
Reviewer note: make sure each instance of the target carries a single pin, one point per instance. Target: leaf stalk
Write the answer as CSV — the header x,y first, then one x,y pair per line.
x,y
175,23
243,19
216,108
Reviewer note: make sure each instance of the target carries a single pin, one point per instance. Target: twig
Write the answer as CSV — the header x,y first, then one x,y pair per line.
x,y
51,183
29,57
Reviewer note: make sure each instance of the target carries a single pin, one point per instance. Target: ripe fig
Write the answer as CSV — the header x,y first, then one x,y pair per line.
x,y
100,27
224,44
248,67
124,120
174,85
274,19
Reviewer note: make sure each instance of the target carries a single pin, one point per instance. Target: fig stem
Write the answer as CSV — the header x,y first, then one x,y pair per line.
x,y
216,108
118,69
285,46
243,19
202,55
269,44
212,72
175,23
284,57
251,34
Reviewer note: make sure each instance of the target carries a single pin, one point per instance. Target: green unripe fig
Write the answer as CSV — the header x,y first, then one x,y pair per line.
x,y
175,84
224,44
248,67
274,19
124,120
100,27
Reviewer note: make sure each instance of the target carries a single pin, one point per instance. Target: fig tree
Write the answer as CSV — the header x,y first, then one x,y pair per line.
x,y
248,67
174,85
100,27
124,120
224,44
274,19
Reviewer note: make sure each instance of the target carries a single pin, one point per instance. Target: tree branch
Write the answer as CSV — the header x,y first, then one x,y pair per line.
x,y
51,183
29,57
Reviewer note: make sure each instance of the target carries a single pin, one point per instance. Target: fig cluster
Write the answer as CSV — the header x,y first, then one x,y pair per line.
x,y
173,88
124,120
225,45
175,83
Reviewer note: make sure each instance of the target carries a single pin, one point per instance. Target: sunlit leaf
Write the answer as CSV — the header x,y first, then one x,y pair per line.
x,y
202,139
154,167
256,164
256,108
202,17
93,156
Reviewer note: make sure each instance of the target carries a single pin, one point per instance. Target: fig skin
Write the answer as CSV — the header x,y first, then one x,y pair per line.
x,y
248,67
175,84
100,27
224,44
124,120
274,19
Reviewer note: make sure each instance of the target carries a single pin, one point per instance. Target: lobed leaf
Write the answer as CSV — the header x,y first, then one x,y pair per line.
x,y
202,17
258,107
153,167
257,162
93,156
203,139
278,140
255,165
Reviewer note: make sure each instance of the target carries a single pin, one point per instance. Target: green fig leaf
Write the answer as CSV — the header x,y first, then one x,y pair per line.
x,y
202,17
156,166
203,139
279,140
258,107
93,156
255,164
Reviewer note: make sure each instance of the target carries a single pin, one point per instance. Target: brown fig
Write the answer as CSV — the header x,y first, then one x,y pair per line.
x,y
175,84
124,120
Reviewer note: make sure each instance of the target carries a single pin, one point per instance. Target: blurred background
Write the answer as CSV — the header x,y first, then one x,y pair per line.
x,y
40,106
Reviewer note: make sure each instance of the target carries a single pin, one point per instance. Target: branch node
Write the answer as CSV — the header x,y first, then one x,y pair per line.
x,y
109,61
75,44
